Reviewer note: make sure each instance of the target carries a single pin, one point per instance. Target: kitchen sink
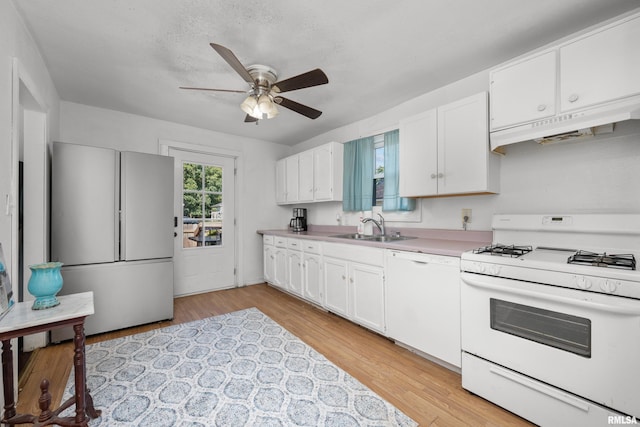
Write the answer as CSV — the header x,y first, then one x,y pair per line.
x,y
374,238
378,238
353,236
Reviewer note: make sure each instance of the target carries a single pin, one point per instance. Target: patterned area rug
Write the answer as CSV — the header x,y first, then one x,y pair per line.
x,y
238,369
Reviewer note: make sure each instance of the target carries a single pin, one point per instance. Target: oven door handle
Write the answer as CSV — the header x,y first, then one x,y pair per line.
x,y
619,308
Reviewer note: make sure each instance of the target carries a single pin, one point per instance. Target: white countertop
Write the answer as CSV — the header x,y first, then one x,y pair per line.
x,y
21,316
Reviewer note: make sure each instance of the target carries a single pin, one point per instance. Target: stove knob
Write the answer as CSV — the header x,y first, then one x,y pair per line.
x,y
583,282
494,270
479,267
609,286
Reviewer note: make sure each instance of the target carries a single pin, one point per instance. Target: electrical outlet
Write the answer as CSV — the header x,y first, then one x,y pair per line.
x,y
466,215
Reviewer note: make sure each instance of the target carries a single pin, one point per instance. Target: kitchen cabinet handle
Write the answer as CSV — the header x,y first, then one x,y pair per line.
x,y
573,98
343,277
440,175
433,176
542,107
351,279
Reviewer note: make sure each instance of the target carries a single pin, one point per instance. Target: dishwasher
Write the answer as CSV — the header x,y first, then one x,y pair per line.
x,y
423,304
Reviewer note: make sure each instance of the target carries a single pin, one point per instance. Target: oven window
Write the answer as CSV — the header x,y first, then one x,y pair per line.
x,y
559,330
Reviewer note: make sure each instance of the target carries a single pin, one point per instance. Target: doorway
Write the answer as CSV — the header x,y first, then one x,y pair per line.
x,y
205,245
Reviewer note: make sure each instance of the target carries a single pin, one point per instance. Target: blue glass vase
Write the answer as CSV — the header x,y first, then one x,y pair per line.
x,y
45,282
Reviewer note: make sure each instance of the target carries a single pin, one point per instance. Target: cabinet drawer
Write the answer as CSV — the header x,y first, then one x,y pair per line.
x,y
311,246
356,253
280,242
294,244
523,396
267,240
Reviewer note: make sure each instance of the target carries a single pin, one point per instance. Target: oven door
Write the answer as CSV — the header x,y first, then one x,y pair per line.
x,y
582,342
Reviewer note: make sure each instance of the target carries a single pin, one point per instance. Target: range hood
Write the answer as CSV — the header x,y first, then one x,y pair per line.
x,y
571,125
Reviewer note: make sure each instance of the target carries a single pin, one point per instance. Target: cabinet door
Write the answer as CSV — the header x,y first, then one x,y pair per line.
x,y
417,158
281,181
312,273
463,146
367,284
323,173
294,272
601,67
292,178
280,268
269,263
305,174
336,289
524,91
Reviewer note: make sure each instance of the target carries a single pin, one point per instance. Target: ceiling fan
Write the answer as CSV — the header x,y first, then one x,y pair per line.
x,y
265,89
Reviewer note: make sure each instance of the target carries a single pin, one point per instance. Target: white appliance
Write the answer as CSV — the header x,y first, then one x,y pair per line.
x,y
112,227
423,298
550,331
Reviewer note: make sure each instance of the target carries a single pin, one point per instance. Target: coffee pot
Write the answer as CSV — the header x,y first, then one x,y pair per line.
x,y
299,221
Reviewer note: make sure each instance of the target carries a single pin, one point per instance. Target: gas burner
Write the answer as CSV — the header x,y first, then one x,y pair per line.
x,y
623,261
504,250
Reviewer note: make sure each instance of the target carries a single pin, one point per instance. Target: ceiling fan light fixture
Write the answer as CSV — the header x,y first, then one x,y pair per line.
x,y
249,105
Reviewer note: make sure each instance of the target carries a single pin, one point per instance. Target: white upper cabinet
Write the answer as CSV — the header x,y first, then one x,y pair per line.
x,y
292,181
601,67
327,171
281,181
445,151
417,157
594,68
311,176
524,91
305,176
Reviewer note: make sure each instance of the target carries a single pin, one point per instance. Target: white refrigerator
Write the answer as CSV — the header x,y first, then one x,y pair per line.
x,y
112,226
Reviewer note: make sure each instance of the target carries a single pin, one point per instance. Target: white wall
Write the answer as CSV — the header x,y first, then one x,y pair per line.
x,y
597,175
16,42
81,124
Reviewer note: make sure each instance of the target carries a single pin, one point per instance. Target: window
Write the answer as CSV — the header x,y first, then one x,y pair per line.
x,y
202,205
378,172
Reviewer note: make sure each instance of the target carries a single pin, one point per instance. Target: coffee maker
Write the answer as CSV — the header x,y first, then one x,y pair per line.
x,y
299,221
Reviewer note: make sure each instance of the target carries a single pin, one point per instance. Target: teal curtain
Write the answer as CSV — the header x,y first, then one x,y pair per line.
x,y
358,175
392,200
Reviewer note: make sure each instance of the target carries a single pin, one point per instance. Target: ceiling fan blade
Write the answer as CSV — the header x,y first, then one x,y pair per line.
x,y
215,90
250,119
232,60
312,113
310,78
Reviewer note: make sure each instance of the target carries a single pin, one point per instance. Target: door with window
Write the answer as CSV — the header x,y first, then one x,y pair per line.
x,y
204,255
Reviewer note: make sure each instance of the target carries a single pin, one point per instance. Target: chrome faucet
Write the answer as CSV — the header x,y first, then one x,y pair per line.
x,y
379,224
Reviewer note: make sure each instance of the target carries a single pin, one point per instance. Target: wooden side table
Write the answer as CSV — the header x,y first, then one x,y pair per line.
x,y
21,320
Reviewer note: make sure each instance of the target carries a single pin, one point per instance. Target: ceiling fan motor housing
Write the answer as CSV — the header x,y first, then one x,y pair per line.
x,y
263,76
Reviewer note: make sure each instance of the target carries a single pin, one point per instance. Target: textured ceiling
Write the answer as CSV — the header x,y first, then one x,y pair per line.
x,y
132,55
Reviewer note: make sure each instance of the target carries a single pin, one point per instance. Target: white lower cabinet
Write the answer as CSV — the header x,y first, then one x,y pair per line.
x,y
312,272
336,289
280,262
423,303
367,287
294,265
268,258
294,272
354,283
410,297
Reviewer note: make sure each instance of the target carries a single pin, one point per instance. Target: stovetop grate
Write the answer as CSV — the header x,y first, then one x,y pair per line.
x,y
623,261
504,250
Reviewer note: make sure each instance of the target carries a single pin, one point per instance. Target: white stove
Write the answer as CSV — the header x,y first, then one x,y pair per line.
x,y
542,331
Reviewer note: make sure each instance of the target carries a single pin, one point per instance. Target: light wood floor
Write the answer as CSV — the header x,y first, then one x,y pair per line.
x,y
428,393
